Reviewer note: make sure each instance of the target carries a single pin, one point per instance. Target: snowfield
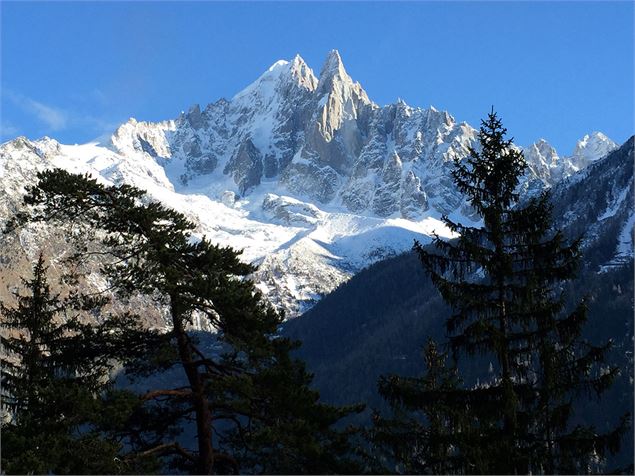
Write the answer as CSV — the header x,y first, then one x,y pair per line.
x,y
304,173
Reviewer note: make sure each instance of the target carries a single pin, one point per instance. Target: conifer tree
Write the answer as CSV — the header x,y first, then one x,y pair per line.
x,y
150,249
285,429
503,282
51,386
416,440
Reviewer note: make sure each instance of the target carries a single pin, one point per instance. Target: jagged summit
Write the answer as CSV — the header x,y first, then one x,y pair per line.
x,y
545,149
333,77
333,67
302,73
324,139
591,147
307,174
332,62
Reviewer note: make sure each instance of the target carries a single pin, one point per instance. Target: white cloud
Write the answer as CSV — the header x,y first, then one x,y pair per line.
x,y
54,118
8,130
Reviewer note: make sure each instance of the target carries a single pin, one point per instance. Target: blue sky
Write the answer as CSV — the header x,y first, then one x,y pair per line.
x,y
554,70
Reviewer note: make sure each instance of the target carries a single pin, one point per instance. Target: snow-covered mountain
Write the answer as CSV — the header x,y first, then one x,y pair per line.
x,y
375,323
598,204
305,173
546,166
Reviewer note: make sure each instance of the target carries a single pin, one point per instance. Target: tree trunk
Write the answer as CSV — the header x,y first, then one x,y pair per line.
x,y
199,400
509,403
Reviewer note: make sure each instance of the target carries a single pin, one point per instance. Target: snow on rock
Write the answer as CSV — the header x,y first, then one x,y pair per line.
x,y
596,204
590,148
305,173
290,211
625,240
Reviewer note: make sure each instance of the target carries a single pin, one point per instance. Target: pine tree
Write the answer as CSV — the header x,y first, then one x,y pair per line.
x,y
150,249
503,283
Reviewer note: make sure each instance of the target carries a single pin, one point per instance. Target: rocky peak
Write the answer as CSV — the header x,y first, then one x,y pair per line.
x,y
47,147
302,74
543,162
332,70
139,136
335,80
280,74
262,88
123,138
19,143
341,103
543,151
194,117
590,148
448,120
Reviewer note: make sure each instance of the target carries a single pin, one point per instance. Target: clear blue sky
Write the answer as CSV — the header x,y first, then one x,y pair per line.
x,y
552,70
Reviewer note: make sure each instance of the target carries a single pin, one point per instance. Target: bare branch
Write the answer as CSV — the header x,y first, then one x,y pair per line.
x,y
164,448
162,393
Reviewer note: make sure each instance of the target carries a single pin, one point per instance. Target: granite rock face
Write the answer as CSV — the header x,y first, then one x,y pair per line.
x,y
321,138
304,172
245,166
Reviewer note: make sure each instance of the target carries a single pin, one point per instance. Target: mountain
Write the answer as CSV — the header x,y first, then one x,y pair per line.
x,y
305,173
385,312
546,166
379,321
597,204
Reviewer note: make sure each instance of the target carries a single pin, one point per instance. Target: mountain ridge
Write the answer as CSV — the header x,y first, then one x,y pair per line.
x,y
327,160
305,173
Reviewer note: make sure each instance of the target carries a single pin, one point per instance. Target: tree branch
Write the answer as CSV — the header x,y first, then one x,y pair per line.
x,y
161,393
163,448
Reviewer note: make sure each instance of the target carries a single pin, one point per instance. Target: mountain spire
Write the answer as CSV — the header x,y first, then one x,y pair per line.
x,y
333,64
332,68
302,73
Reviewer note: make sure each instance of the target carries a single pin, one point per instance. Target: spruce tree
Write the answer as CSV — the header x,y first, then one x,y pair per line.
x,y
503,281
284,428
150,249
416,439
51,386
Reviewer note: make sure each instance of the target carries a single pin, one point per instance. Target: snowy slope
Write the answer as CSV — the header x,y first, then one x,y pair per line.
x,y
305,173
304,251
597,204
